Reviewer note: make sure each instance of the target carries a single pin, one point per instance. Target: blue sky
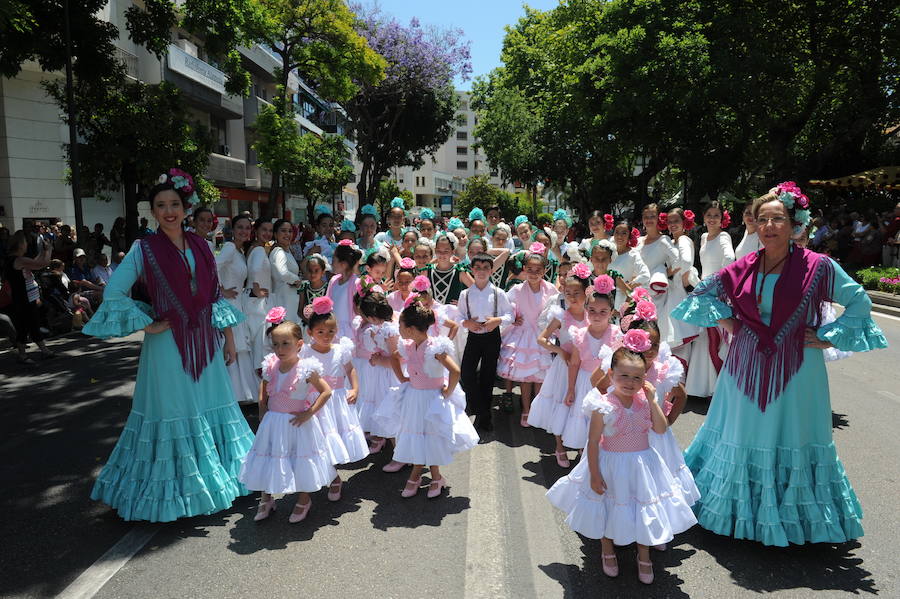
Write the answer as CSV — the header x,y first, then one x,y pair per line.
x,y
482,20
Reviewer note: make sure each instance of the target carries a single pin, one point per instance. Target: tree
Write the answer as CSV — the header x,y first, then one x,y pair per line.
x,y
387,191
316,38
322,168
408,115
135,133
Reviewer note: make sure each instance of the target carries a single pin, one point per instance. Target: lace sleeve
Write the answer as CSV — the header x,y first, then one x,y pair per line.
x,y
307,367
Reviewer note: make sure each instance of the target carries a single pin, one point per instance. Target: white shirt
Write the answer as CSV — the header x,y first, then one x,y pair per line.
x,y
715,253
481,304
102,272
749,244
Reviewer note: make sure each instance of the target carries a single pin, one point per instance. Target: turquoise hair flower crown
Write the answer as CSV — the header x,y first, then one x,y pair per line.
x,y
520,219
426,214
322,209
476,214
183,182
368,210
454,224
398,203
562,215
348,225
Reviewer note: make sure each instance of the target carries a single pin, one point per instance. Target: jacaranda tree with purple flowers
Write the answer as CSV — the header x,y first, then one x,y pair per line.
x,y
408,115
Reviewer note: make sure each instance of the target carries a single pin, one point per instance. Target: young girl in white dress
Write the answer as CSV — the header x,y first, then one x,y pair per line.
x,y
379,340
586,346
709,349
623,493
258,300
339,419
433,422
549,410
289,454
231,263
406,272
627,262
285,270
660,256
342,286
679,222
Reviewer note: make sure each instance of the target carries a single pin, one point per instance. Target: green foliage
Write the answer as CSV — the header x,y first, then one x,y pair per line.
x,y
387,191
321,168
277,140
15,16
544,219
870,278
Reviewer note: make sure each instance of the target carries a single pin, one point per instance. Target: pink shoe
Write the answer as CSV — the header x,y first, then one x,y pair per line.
x,y
562,459
334,491
299,516
393,466
264,509
377,446
407,492
644,576
436,492
523,421
611,570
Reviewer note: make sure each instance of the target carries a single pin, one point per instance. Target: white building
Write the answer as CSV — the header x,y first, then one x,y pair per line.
x,y
444,174
32,134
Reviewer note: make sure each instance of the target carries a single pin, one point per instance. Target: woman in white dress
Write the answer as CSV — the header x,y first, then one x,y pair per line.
x,y
709,350
285,270
257,301
750,243
628,263
661,258
600,226
681,333
231,263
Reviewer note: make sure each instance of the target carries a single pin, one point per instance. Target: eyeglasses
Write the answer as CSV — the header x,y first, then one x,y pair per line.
x,y
778,221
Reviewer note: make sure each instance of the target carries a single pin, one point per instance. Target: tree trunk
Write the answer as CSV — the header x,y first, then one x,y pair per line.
x,y
129,190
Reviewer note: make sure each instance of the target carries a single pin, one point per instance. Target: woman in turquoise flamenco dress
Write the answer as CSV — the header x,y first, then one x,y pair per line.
x,y
764,459
183,443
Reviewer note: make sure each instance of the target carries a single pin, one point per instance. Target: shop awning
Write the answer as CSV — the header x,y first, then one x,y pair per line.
x,y
883,177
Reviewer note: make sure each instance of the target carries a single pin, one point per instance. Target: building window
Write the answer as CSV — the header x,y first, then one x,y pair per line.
x,y
462,120
219,130
462,150
462,165
495,173
399,178
477,164
462,135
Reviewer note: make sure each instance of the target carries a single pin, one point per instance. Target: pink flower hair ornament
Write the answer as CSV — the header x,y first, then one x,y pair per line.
x,y
639,294
604,284
421,283
609,222
322,305
537,248
308,311
633,237
726,219
410,299
276,315
662,221
645,310
581,271
689,220
637,340
407,263
347,242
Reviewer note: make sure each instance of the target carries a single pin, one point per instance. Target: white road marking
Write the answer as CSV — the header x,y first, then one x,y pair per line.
x,y
485,548
92,580
887,316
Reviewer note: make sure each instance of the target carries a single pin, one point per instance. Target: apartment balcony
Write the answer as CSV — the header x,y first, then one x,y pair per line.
x,y
201,83
257,178
225,170
129,61
252,107
308,125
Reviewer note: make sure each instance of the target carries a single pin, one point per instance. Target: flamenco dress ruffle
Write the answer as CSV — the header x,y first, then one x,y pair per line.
x,y
180,452
433,429
549,410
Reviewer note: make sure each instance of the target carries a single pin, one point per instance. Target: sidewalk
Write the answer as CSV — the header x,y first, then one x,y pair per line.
x,y
885,303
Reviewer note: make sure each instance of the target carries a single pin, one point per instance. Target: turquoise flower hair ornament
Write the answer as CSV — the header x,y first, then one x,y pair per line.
x,y
348,225
454,224
519,259
398,203
322,209
368,210
426,214
520,220
183,182
563,216
476,214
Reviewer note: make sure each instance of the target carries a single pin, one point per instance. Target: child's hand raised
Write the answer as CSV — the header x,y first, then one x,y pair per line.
x,y
649,390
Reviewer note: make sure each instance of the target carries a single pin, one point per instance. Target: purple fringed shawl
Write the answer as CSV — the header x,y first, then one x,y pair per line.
x,y
763,358
188,309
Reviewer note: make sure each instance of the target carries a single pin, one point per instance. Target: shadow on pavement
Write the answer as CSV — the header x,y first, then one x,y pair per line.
x,y
697,405
839,421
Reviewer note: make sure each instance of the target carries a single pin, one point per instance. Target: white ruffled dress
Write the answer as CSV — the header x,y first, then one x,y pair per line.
x,y
643,503
575,431
521,358
340,422
287,458
432,428
549,410
375,382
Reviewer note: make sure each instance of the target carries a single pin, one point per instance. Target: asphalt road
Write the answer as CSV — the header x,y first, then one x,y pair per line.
x,y
495,535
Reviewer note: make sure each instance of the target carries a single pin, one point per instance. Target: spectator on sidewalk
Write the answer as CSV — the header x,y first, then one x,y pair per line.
x,y
61,286
98,242
64,247
82,278
891,232
143,229
117,260
102,271
25,302
118,239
